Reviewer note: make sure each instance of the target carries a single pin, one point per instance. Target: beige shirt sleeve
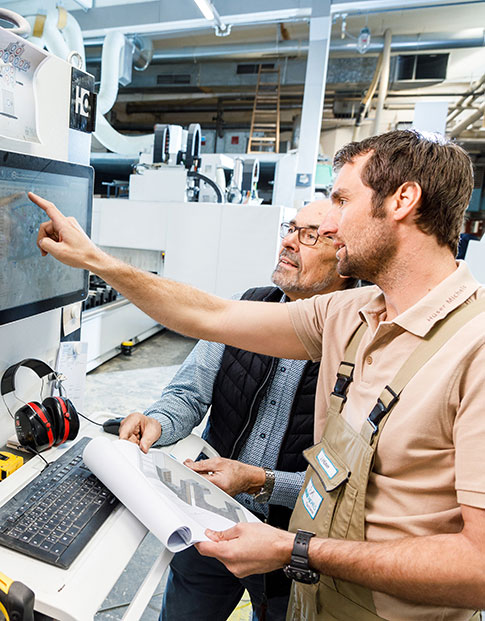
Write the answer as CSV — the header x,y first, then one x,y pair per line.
x,y
307,317
469,432
333,316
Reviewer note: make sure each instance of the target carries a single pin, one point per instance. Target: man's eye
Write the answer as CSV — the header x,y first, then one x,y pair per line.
x,y
312,235
291,230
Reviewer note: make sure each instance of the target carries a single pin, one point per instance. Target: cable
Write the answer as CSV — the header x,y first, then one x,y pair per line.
x,y
91,421
59,379
36,453
208,180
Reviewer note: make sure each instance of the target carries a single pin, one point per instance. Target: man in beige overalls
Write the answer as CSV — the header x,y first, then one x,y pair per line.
x,y
391,517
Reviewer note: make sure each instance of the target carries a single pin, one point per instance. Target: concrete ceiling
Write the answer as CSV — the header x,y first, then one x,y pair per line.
x,y
169,22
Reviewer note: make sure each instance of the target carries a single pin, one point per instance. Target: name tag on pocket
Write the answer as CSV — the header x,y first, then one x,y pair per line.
x,y
326,463
311,499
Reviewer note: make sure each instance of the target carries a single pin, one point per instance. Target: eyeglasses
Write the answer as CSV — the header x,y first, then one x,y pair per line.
x,y
306,235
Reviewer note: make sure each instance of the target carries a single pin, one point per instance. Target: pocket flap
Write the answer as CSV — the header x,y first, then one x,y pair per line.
x,y
329,467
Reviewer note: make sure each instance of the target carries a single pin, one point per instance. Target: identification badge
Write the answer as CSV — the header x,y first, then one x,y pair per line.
x,y
326,463
311,499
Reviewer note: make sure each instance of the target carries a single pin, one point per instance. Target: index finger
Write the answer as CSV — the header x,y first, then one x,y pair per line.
x,y
200,466
49,208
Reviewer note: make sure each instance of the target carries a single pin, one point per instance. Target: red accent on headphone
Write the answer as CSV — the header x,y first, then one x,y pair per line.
x,y
38,410
65,414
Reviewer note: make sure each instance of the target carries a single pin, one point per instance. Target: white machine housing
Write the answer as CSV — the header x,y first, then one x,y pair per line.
x,y
39,124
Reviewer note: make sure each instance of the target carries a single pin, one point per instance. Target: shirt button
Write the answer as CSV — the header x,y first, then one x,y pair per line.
x,y
273,402
369,360
262,435
283,369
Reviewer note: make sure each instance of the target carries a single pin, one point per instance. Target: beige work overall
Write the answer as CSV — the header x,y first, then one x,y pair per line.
x,y
332,500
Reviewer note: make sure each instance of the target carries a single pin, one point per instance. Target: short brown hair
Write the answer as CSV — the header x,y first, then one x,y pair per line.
x,y
442,169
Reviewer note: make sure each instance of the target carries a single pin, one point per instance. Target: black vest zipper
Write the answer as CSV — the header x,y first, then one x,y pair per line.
x,y
269,373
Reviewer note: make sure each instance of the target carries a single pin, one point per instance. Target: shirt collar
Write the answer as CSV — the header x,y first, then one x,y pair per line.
x,y
434,306
374,310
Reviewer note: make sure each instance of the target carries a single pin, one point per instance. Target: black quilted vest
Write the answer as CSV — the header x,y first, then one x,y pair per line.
x,y
241,383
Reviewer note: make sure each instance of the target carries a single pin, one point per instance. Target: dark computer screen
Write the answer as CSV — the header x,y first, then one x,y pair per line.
x,y
30,283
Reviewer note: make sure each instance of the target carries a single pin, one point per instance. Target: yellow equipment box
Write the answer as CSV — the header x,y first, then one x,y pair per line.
x,y
9,463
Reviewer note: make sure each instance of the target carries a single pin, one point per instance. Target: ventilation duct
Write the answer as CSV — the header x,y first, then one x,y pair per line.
x,y
114,47
59,32
400,43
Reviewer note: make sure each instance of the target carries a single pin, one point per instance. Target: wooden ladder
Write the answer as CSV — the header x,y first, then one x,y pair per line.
x,y
265,120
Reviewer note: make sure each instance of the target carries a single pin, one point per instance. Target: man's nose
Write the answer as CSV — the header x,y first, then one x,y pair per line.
x,y
291,241
329,226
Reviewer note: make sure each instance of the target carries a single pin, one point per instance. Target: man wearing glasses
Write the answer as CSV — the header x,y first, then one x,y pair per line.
x,y
390,522
261,420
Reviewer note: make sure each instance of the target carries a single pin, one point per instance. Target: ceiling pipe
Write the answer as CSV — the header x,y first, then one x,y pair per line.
x,y
474,116
20,26
74,38
50,36
94,36
400,43
110,73
383,80
367,99
59,32
466,99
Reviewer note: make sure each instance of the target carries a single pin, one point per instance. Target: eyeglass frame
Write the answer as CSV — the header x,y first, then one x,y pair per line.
x,y
298,229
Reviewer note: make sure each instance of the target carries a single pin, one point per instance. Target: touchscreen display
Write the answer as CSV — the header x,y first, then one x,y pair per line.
x,y
30,283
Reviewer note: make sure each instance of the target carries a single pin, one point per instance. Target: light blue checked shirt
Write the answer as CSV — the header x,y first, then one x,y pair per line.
x,y
185,401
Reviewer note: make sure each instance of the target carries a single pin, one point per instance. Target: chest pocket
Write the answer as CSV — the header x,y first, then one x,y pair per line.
x,y
329,480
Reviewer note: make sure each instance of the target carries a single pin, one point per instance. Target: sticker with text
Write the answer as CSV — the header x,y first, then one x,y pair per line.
x,y
326,463
311,499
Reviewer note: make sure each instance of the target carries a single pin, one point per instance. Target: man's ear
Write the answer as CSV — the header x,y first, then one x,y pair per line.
x,y
406,200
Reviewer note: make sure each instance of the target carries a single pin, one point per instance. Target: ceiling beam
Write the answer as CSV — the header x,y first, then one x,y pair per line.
x,y
158,18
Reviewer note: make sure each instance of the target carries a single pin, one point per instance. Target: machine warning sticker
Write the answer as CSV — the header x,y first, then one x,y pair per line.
x,y
19,62
83,101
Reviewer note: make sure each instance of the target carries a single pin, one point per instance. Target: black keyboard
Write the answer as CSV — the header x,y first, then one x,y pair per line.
x,y
55,515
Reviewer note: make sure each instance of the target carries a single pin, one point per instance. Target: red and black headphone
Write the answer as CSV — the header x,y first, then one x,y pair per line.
x,y
41,425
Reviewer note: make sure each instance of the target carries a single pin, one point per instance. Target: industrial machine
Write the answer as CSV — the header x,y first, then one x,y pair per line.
x,y
175,168
189,216
45,139
185,217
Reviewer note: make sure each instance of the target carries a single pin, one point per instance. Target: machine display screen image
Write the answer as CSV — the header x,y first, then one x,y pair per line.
x,y
30,283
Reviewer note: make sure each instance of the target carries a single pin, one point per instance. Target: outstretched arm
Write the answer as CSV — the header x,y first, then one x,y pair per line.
x,y
256,326
446,570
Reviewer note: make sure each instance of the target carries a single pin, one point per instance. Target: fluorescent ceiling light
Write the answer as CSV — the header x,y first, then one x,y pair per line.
x,y
205,8
209,11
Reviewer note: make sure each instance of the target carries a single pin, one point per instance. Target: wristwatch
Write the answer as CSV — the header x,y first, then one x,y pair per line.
x,y
298,568
265,492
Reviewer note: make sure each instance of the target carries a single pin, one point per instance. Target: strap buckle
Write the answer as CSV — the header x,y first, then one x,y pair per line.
x,y
344,379
381,409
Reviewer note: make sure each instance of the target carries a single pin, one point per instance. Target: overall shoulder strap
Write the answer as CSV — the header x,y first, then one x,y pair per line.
x,y
432,342
345,373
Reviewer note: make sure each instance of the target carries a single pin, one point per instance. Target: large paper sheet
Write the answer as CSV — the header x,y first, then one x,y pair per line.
x,y
175,503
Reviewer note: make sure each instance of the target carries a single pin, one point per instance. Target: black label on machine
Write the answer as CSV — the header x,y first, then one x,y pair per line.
x,y
83,101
